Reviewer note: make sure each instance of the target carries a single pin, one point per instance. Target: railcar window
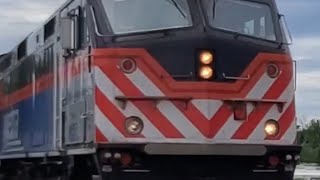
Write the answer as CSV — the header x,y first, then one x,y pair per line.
x,y
22,50
5,62
47,61
21,76
244,17
83,28
25,72
129,16
49,28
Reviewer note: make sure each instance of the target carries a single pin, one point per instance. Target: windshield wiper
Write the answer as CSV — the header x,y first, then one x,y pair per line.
x,y
173,2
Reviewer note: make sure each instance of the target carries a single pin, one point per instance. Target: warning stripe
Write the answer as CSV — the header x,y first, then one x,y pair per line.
x,y
285,121
194,122
257,92
108,91
221,114
228,129
291,134
167,108
113,114
99,136
195,114
274,113
147,108
106,127
256,117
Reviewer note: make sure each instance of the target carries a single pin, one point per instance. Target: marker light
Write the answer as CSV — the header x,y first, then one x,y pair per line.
x,y
206,57
273,70
271,128
126,159
128,65
206,72
274,161
134,125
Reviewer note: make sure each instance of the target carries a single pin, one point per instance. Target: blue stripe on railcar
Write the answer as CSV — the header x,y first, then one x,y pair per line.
x,y
35,125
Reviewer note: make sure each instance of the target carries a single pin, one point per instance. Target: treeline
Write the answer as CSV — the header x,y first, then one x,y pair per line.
x,y
309,138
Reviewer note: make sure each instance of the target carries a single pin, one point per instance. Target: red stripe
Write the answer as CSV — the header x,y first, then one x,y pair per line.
x,y
195,117
208,128
42,84
100,137
192,113
113,114
257,115
219,119
147,108
285,121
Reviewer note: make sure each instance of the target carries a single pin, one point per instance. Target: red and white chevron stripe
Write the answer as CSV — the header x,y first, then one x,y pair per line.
x,y
207,119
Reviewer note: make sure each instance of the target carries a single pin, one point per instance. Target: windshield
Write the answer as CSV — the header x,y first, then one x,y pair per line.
x,y
128,16
244,17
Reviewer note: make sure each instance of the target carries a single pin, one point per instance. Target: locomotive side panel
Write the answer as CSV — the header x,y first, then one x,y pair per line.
x,y
27,105
46,97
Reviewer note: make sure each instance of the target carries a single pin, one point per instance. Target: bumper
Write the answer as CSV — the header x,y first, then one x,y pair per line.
x,y
218,149
216,160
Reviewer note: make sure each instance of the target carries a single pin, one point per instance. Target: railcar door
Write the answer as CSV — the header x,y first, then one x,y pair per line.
x,y
77,113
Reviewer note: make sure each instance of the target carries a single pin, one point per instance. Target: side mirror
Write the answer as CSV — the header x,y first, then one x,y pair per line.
x,y
285,29
67,33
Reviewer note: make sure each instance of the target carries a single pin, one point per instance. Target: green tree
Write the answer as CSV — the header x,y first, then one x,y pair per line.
x,y
309,138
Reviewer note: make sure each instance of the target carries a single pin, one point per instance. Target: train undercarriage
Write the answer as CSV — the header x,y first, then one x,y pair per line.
x,y
197,162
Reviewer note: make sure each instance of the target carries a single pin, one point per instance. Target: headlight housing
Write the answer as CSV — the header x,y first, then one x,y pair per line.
x,y
206,61
206,57
271,128
134,125
206,72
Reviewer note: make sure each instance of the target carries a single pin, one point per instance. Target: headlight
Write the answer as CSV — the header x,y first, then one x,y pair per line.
x,y
206,57
271,128
134,125
206,72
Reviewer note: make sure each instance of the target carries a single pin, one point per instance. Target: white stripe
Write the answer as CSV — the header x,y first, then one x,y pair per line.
x,y
105,126
231,126
110,91
207,107
167,108
291,134
257,92
273,113
261,88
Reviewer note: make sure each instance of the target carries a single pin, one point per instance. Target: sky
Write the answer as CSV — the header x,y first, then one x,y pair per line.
x,y
18,18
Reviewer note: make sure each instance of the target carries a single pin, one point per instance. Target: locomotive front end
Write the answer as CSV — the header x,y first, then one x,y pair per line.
x,y
185,87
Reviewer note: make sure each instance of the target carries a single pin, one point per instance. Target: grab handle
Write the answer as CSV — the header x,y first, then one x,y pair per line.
x,y
235,78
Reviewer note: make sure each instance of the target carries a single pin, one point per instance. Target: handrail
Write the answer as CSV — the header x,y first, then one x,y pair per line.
x,y
155,99
235,78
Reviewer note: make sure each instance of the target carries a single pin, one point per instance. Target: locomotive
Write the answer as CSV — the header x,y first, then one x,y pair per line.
x,y
150,89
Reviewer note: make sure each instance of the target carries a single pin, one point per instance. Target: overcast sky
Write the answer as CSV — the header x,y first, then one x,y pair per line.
x,y
19,17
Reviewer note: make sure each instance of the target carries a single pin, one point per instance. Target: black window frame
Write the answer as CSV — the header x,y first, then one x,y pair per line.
x,y
104,21
274,16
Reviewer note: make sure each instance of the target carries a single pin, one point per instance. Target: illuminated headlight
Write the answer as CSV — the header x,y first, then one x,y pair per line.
x,y
206,72
271,128
134,125
206,57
